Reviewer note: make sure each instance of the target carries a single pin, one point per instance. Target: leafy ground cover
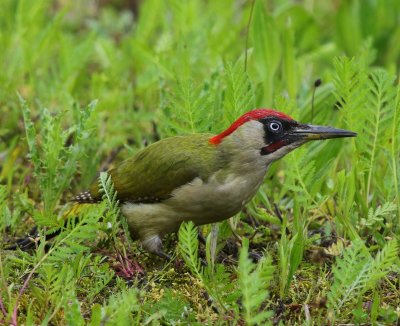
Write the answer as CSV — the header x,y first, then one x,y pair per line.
x,y
85,84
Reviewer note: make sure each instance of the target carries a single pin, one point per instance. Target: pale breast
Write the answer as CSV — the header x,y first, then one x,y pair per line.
x,y
214,200
199,201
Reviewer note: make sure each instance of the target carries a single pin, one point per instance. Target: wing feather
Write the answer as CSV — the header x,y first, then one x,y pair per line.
x,y
156,171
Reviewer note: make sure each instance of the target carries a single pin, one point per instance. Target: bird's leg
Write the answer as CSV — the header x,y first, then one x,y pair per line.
x,y
153,245
201,236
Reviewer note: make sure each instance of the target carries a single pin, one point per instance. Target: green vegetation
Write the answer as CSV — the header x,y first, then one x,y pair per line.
x,y
84,84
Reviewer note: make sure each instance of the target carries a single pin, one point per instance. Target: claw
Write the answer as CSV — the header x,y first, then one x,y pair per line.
x,y
163,255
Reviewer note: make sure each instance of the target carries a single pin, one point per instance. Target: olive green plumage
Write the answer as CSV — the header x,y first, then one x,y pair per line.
x,y
157,170
201,177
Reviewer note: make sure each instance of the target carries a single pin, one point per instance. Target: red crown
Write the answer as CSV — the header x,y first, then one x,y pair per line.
x,y
251,115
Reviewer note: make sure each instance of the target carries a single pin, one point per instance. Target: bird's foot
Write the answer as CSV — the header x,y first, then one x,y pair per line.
x,y
201,237
255,256
163,255
153,245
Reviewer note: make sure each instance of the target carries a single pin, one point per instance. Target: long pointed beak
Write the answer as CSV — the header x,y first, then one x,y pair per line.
x,y
312,132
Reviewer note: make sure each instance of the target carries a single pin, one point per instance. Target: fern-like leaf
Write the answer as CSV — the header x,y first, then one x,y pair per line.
x,y
189,247
113,214
187,109
239,91
383,263
377,119
254,282
118,310
350,275
357,272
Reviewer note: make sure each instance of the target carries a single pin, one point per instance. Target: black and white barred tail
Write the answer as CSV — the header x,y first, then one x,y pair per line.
x,y
85,198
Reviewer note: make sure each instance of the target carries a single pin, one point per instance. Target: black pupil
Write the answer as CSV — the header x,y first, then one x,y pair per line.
x,y
275,126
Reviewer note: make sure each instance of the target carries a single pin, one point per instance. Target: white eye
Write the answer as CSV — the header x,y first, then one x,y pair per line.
x,y
275,126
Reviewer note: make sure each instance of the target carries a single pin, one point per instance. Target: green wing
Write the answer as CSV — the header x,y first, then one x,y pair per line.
x,y
156,171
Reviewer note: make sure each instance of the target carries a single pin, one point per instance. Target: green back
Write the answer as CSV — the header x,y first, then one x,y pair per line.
x,y
154,172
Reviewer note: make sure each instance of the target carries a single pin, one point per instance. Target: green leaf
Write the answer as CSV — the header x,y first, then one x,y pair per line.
x,y
254,281
189,247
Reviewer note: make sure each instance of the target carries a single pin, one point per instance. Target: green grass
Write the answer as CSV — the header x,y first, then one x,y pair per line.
x,y
86,84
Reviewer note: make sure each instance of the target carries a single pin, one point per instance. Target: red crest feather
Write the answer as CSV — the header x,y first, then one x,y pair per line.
x,y
251,115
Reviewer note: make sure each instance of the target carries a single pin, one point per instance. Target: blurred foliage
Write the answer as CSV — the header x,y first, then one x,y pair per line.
x,y
328,214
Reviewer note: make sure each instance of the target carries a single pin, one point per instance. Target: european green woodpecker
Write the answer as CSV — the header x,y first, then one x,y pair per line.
x,y
202,177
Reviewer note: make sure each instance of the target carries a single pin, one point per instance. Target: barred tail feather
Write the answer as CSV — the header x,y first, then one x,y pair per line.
x,y
85,197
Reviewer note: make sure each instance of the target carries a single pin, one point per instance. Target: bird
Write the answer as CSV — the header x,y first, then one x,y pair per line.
x,y
203,178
